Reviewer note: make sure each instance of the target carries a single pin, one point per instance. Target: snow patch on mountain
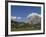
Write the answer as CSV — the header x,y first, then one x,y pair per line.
x,y
13,18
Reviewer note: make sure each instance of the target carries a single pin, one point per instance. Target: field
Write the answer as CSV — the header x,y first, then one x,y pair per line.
x,y
21,26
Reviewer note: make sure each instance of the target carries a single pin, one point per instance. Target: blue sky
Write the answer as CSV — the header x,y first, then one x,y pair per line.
x,y
23,11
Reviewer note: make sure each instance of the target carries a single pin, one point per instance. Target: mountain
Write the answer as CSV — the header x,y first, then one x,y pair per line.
x,y
13,18
34,18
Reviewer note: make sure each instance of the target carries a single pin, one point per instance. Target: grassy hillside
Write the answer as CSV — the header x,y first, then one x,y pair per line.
x,y
21,26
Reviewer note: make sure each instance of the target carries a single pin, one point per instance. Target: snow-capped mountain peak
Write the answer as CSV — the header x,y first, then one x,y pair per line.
x,y
33,14
34,18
